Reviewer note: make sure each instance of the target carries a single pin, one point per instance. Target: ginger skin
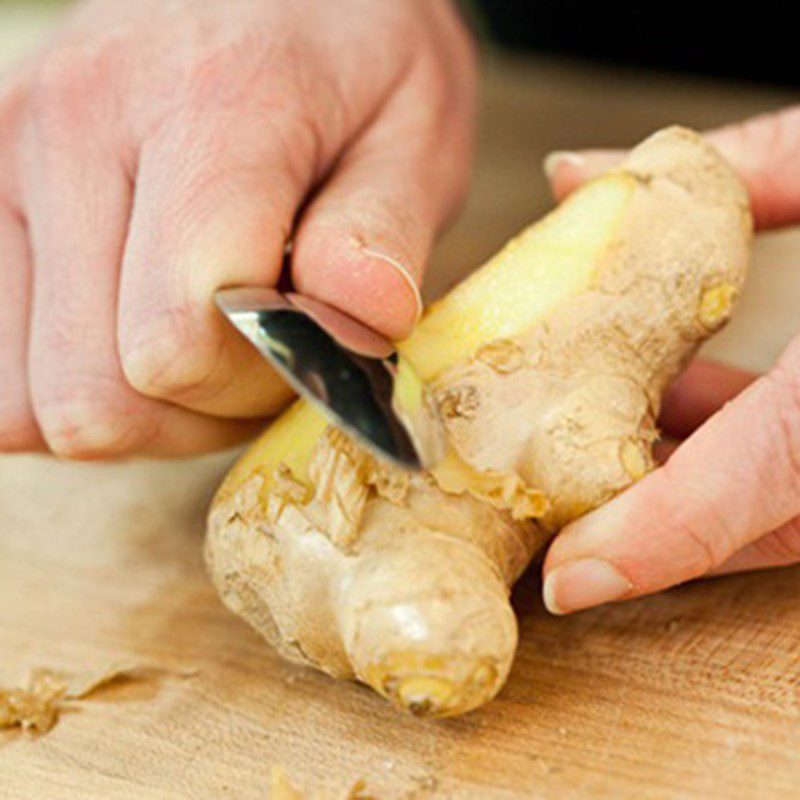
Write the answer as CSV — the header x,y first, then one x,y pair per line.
x,y
548,365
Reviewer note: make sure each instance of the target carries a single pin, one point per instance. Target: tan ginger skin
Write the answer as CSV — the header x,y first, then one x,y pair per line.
x,y
402,581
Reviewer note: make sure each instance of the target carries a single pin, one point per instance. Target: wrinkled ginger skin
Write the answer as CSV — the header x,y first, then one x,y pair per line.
x,y
587,381
402,581
410,595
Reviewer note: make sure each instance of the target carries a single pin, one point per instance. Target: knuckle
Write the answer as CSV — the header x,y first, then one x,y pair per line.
x,y
221,71
228,78
84,426
782,545
383,219
67,83
173,360
710,551
277,150
300,113
703,528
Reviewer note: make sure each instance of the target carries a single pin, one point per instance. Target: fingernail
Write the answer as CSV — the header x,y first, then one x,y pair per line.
x,y
582,584
553,161
407,276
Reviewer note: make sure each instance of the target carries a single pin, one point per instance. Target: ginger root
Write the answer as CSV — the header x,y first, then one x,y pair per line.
x,y
548,365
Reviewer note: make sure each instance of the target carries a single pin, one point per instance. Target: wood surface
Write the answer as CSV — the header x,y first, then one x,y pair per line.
x,y
691,694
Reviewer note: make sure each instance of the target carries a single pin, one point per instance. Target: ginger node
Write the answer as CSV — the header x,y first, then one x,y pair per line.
x,y
502,355
634,459
716,305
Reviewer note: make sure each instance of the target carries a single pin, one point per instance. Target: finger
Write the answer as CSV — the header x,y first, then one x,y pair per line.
x,y
18,428
700,391
363,244
735,479
566,170
780,548
215,200
765,151
78,200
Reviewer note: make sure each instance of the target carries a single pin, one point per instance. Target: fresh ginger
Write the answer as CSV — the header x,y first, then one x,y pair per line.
x,y
548,366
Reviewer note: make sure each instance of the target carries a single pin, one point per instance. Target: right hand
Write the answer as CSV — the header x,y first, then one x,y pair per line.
x,y
155,151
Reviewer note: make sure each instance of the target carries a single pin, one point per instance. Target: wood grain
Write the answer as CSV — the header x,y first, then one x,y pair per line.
x,y
692,694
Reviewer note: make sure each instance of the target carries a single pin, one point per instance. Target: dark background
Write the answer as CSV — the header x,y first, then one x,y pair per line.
x,y
756,41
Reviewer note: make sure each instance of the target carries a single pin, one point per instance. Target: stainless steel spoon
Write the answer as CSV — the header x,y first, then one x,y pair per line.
x,y
353,374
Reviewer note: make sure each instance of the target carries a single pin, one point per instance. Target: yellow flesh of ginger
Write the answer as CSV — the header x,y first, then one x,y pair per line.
x,y
288,441
558,255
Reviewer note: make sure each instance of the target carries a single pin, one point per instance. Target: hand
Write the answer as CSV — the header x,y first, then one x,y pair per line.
x,y
728,498
156,151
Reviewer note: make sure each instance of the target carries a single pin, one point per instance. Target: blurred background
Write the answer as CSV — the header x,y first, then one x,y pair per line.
x,y
753,42
757,43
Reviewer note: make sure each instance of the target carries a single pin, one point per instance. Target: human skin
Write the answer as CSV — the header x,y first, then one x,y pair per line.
x,y
728,497
153,151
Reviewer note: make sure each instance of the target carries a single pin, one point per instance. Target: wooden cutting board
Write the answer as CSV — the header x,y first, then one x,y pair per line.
x,y
695,693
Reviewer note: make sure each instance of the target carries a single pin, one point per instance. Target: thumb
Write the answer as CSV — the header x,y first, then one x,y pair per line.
x,y
764,150
363,242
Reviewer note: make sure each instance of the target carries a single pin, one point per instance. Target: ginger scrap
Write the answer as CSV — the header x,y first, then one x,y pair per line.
x,y
282,788
285,489
37,706
389,482
358,791
503,490
459,401
34,707
426,784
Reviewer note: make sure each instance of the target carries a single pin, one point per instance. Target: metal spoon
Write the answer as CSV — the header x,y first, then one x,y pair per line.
x,y
350,372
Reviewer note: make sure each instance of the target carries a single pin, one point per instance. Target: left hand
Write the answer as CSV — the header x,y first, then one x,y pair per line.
x,y
728,498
